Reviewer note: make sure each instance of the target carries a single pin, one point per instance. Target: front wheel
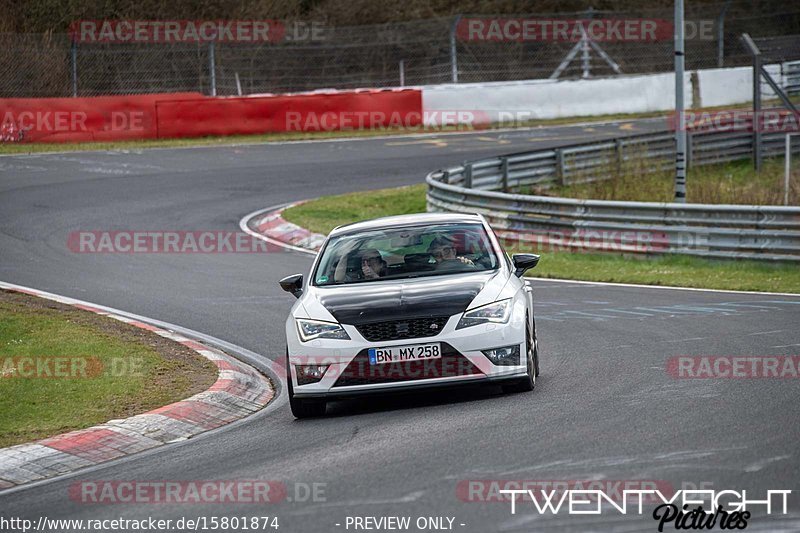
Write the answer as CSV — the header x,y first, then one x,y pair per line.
x,y
527,383
302,408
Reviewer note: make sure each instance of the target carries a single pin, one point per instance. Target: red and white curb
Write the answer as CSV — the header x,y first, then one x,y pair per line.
x,y
269,224
240,390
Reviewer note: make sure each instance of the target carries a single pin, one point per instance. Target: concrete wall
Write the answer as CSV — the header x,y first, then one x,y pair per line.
x,y
545,99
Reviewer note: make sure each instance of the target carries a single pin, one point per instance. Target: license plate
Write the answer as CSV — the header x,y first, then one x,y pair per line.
x,y
400,354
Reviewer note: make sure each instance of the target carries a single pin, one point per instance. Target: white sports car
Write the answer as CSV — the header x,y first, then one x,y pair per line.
x,y
406,302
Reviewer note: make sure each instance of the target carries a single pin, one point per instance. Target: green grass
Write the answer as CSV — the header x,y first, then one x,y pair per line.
x,y
670,270
38,407
728,183
325,213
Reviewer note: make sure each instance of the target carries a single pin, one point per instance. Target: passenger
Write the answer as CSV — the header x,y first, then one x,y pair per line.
x,y
443,250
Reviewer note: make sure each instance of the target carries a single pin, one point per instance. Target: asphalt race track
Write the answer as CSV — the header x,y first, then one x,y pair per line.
x,y
604,408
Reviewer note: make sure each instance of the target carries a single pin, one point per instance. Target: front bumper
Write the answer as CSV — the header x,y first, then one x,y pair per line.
x,y
462,351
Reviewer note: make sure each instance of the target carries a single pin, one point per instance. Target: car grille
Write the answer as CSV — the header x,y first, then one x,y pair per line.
x,y
393,330
360,372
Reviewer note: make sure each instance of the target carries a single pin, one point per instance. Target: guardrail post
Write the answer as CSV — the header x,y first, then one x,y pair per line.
x,y
504,174
468,175
619,154
689,149
560,166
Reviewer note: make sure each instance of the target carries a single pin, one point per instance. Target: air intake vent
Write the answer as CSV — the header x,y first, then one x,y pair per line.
x,y
413,328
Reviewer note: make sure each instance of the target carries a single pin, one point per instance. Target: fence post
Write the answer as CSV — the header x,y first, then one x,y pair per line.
x,y
453,51
721,34
212,69
402,73
757,112
73,54
756,53
467,175
504,174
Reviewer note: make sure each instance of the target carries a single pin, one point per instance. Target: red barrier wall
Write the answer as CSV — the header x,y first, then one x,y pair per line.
x,y
305,112
114,118
103,118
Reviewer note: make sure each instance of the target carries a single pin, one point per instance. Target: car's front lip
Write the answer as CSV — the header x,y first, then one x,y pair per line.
x,y
405,387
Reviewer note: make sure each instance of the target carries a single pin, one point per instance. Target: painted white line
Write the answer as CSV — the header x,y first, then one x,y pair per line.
x,y
663,287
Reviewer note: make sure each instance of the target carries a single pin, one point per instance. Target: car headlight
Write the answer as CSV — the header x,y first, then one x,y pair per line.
x,y
318,329
497,312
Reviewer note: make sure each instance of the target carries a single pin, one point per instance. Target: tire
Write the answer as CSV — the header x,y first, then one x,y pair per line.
x,y
302,408
536,350
527,383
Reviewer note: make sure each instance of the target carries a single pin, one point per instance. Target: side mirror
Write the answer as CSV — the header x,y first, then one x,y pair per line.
x,y
293,284
524,262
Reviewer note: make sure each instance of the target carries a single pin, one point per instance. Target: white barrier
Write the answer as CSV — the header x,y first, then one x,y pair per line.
x,y
545,99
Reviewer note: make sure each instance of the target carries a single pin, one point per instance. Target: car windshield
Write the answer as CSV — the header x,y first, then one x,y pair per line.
x,y
405,252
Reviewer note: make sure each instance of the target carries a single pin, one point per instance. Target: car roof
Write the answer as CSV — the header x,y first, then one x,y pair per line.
x,y
407,220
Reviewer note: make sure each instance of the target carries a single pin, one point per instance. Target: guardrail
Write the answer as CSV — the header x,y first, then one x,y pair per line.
x,y
707,230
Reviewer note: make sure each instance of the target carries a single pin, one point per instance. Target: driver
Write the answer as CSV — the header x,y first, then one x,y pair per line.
x,y
443,250
372,266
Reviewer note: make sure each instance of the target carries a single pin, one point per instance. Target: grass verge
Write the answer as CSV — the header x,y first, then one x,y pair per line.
x,y
727,183
65,369
325,213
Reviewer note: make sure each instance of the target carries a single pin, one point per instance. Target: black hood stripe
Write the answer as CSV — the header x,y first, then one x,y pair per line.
x,y
377,301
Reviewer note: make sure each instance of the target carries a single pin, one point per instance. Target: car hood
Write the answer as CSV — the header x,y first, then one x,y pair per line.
x,y
374,301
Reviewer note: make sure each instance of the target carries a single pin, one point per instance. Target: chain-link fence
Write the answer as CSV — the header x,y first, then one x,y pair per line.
x,y
423,52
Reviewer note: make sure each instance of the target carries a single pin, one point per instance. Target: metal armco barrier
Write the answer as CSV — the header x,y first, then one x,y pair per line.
x,y
712,231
